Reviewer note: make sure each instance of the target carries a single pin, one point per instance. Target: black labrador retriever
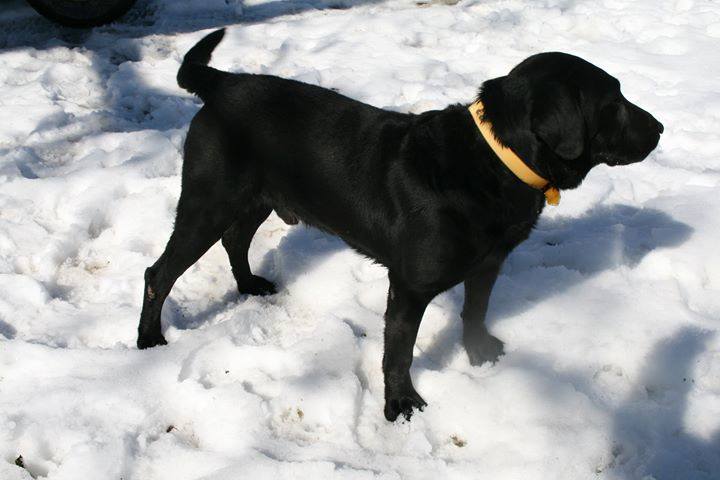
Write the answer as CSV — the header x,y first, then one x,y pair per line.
x,y
425,195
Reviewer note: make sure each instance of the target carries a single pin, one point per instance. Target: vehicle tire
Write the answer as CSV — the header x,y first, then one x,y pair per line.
x,y
81,13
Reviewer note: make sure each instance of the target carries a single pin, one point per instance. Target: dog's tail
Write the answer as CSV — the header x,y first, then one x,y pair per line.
x,y
194,75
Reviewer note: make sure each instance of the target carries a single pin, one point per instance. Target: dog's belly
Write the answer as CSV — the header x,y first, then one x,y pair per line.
x,y
330,196
286,215
341,222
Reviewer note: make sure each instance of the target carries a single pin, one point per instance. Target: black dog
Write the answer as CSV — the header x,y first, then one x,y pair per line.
x,y
424,195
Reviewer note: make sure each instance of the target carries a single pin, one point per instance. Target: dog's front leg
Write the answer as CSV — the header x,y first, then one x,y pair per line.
x,y
405,309
480,346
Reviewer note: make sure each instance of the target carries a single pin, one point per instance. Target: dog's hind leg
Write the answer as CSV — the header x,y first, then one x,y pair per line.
x,y
236,241
197,228
207,207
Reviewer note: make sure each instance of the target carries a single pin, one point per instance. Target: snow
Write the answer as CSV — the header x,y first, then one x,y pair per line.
x,y
609,312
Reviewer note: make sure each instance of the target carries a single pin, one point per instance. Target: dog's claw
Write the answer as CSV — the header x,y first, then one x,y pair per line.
x,y
149,341
404,405
487,349
257,286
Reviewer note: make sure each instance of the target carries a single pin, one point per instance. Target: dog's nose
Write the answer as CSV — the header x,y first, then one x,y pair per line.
x,y
661,128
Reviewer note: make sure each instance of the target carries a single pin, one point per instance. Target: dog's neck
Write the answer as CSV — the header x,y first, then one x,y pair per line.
x,y
514,163
511,127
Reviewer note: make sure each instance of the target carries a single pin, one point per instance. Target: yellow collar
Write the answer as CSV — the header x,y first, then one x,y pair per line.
x,y
510,158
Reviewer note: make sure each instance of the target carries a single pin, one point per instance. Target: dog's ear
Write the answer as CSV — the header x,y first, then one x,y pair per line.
x,y
557,120
506,102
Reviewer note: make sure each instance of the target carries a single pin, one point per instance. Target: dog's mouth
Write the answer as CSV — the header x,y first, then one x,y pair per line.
x,y
615,161
628,155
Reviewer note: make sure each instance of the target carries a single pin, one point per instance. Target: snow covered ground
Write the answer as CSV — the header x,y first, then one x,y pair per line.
x,y
610,311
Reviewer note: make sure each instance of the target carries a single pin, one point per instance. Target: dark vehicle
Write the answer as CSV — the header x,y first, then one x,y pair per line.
x,y
82,13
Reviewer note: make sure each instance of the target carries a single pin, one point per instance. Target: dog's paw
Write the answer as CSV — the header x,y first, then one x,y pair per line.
x,y
149,341
485,349
257,286
403,404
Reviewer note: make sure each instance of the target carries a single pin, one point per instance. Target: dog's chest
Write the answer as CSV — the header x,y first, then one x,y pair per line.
x,y
494,240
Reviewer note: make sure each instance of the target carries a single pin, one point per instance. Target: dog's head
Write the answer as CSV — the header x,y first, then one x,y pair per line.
x,y
563,115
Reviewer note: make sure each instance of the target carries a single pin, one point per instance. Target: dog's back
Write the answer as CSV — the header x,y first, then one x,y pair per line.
x,y
294,138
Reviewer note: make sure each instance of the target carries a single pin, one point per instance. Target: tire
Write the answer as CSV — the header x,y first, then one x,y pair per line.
x,y
82,13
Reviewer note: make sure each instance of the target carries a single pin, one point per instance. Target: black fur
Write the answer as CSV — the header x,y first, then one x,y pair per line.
x,y
421,194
